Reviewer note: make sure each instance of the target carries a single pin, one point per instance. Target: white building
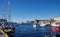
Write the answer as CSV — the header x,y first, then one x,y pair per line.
x,y
57,19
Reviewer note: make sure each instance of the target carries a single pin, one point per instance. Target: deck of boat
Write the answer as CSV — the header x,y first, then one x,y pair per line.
x,y
1,35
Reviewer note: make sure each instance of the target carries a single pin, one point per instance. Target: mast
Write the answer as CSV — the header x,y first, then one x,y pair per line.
x,y
9,14
3,10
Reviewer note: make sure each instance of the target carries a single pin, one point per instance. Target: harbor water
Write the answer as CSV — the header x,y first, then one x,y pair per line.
x,y
27,30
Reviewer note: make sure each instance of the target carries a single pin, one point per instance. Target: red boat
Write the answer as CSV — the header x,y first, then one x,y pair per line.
x,y
55,27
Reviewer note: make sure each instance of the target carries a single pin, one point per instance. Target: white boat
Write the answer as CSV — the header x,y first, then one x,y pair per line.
x,y
43,25
34,26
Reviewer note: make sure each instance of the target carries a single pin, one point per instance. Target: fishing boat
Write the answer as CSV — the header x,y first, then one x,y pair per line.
x,y
55,29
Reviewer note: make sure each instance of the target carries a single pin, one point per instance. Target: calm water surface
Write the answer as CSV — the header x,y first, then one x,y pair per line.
x,y
27,30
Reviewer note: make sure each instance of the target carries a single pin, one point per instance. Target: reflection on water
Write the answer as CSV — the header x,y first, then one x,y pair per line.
x,y
27,30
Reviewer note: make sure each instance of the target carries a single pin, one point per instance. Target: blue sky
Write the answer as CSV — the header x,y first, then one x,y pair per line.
x,y
23,10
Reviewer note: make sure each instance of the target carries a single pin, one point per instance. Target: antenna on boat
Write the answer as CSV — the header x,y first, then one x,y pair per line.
x,y
9,14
